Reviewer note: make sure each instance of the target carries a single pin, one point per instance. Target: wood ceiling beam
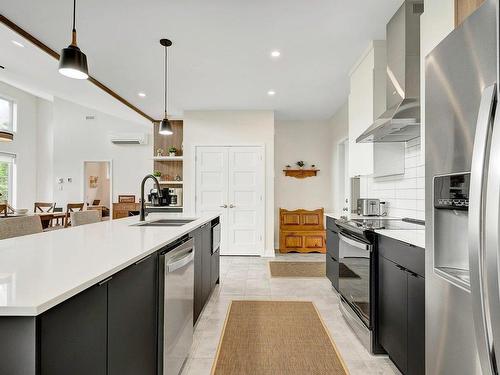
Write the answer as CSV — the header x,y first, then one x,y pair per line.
x,y
17,29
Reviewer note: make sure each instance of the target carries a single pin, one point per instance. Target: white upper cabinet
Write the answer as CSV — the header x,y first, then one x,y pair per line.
x,y
366,102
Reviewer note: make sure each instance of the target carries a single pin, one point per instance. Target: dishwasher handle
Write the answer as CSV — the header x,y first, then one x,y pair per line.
x,y
180,262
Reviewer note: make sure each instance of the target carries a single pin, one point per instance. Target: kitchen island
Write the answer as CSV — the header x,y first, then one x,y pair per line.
x,y
68,290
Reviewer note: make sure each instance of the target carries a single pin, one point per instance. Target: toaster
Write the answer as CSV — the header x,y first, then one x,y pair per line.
x,y
368,207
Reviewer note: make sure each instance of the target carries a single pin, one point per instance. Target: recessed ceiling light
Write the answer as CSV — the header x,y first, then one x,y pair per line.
x,y
142,94
15,42
275,53
271,93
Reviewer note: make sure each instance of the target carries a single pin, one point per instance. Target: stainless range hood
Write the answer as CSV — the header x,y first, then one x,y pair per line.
x,y
401,121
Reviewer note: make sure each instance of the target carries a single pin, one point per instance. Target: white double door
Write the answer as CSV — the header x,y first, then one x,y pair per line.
x,y
230,181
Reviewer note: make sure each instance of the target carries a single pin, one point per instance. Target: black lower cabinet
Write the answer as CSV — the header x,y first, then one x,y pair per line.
x,y
206,266
416,324
73,335
401,316
392,311
132,319
332,271
206,262
215,268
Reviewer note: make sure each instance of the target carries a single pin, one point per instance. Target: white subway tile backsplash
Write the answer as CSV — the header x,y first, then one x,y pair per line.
x,y
404,194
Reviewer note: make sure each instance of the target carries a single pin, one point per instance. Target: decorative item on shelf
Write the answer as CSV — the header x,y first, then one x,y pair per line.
x,y
300,164
159,152
172,151
167,177
157,173
288,166
178,178
313,166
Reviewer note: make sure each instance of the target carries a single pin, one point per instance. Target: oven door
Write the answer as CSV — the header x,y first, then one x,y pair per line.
x,y
354,274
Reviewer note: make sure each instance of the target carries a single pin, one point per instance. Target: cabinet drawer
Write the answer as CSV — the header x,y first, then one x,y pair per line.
x,y
332,271
332,244
406,255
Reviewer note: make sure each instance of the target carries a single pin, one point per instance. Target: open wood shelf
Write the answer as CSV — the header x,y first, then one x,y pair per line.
x,y
301,173
171,182
168,158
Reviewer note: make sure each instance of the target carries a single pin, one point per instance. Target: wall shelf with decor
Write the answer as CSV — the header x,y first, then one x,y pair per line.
x,y
301,173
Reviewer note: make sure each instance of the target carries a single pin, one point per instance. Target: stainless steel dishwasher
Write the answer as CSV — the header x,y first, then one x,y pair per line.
x,y
176,306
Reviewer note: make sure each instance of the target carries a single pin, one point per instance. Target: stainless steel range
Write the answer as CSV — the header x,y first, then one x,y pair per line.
x,y
357,280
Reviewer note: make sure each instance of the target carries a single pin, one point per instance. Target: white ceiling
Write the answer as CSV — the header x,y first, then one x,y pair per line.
x,y
221,53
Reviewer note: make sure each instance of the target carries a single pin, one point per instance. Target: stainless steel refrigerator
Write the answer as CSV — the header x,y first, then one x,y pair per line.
x,y
462,155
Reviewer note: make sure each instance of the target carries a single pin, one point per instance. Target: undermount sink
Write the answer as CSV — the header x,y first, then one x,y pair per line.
x,y
164,223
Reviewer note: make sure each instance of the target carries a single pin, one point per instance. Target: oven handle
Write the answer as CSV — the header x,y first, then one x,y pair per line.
x,y
358,244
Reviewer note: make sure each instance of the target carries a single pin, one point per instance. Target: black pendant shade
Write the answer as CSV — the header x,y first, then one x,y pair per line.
x,y
73,62
165,125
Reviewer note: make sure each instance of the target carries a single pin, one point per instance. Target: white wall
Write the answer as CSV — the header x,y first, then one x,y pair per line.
x,y
309,141
230,128
45,151
24,145
339,127
77,140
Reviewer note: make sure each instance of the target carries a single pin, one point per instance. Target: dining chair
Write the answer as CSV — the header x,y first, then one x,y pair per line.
x,y
45,208
72,207
85,217
20,226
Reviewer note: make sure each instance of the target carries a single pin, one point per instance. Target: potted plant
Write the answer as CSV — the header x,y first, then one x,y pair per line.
x,y
159,152
157,173
172,151
300,164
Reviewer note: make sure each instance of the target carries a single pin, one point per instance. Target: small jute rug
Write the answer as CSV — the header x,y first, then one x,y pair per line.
x,y
276,338
297,269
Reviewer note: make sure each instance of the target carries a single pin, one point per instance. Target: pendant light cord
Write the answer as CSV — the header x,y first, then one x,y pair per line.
x,y
73,33
166,87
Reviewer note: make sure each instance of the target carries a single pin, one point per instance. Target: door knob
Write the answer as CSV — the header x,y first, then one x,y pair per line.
x,y
223,206
232,206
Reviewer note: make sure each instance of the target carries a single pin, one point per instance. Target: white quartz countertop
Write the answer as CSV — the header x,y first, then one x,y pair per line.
x,y
41,270
414,237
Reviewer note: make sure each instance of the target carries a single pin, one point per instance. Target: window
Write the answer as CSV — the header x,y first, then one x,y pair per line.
x,y
7,114
7,178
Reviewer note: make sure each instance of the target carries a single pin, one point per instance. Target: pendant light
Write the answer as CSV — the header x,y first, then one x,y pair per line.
x,y
165,126
73,62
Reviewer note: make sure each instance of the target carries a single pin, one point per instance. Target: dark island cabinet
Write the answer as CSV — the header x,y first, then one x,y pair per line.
x,y
132,319
401,304
109,329
206,267
73,335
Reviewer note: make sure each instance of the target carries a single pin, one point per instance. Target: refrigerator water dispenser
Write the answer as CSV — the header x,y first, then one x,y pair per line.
x,y
450,235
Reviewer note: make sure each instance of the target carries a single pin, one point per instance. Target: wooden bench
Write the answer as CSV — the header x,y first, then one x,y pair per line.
x,y
302,231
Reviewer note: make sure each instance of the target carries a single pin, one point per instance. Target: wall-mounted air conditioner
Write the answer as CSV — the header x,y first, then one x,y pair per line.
x,y
129,139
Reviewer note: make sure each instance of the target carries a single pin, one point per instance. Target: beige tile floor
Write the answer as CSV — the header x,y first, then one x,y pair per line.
x,y
249,278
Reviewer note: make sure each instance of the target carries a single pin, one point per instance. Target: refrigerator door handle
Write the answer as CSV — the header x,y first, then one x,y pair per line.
x,y
492,235
475,228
